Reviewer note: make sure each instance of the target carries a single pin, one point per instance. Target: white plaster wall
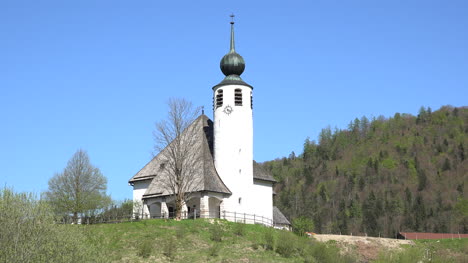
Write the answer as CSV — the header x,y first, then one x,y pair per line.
x,y
261,199
139,188
233,147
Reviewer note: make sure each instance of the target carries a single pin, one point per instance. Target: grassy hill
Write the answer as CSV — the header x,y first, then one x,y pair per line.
x,y
381,175
222,241
206,241
28,233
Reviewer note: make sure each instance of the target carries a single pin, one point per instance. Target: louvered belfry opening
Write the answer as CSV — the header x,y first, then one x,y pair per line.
x,y
251,100
219,98
238,97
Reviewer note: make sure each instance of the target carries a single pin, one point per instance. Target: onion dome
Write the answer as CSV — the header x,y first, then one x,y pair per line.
x,y
232,65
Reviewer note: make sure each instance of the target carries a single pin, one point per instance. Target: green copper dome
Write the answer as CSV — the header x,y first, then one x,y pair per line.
x,y
232,63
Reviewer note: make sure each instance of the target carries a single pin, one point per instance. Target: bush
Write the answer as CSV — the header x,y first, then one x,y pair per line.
x,y
239,229
302,224
216,232
213,251
255,245
170,248
287,244
325,253
144,249
29,233
269,239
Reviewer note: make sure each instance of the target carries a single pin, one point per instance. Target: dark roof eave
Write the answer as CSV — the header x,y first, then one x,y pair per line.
x,y
162,195
226,82
265,180
141,179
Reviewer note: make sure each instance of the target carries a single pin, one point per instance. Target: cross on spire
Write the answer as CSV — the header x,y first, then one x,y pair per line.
x,y
232,18
232,33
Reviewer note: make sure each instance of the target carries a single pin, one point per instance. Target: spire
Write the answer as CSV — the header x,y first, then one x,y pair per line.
x,y
233,48
232,63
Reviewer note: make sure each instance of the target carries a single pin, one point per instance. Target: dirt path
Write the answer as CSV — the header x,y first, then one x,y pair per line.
x,y
367,247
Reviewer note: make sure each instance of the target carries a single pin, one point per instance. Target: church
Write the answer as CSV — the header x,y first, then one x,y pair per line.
x,y
230,184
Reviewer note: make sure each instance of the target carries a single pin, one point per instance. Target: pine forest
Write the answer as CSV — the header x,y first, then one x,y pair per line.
x,y
381,176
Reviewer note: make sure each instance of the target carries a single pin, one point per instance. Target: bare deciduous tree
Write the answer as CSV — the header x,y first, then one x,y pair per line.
x,y
79,188
176,140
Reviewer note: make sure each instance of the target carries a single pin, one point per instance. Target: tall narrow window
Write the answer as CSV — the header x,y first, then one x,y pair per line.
x,y
251,100
219,98
238,97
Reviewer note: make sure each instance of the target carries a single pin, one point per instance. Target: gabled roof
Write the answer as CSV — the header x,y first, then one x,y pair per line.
x,y
261,174
206,177
279,218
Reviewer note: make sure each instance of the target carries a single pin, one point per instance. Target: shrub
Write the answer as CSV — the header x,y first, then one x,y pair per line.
x,y
287,244
239,229
302,224
28,233
269,239
325,253
144,249
170,248
213,251
255,245
216,232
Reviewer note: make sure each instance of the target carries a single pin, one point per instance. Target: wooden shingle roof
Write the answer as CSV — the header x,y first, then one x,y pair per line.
x,y
261,174
206,175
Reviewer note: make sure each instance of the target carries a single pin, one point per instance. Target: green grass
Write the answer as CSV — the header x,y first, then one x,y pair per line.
x,y
204,241
221,241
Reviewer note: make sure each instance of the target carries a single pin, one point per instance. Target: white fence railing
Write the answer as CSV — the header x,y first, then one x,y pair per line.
x,y
228,215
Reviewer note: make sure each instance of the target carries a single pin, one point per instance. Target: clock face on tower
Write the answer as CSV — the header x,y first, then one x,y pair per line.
x,y
228,110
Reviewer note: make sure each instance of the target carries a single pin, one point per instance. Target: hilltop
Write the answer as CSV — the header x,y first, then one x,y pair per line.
x,y
30,233
381,175
222,241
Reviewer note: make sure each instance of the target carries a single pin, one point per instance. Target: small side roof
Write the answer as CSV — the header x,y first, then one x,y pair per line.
x,y
149,171
279,218
259,173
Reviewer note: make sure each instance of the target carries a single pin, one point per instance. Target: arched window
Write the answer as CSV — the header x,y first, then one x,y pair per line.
x,y
219,98
238,97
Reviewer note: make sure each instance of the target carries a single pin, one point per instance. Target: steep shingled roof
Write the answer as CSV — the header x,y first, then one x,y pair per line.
x,y
279,218
207,176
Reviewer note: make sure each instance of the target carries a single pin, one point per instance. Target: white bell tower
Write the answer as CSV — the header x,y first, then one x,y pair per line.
x,y
233,131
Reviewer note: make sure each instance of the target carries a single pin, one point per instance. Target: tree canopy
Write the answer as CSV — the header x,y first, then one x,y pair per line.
x,y
381,176
175,139
80,188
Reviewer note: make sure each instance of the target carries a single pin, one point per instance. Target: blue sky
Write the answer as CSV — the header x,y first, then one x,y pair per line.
x,y
96,74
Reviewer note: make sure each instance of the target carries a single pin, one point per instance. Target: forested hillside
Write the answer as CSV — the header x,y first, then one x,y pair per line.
x,y
380,176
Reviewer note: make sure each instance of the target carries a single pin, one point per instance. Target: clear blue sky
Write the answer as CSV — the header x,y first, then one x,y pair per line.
x,y
96,74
